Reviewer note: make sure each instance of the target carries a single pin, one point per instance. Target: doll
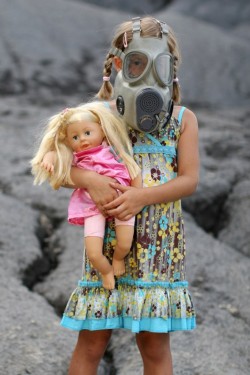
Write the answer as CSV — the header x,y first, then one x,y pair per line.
x,y
90,137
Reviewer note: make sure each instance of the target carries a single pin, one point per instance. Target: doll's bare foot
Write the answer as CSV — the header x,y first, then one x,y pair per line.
x,y
118,266
108,280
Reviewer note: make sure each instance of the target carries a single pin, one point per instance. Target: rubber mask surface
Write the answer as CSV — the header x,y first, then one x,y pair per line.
x,y
143,88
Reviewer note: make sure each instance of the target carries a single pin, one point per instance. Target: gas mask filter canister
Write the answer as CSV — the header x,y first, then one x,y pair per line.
x,y
143,88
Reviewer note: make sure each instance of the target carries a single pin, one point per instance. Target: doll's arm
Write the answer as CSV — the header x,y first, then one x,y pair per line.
x,y
48,162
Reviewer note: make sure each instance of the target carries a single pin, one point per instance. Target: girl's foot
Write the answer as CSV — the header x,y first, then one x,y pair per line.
x,y
108,280
118,267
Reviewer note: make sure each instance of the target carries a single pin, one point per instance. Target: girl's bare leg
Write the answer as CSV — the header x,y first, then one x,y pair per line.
x,y
155,352
88,352
124,238
99,261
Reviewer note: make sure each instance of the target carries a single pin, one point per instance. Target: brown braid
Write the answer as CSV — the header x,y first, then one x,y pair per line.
x,y
106,90
176,96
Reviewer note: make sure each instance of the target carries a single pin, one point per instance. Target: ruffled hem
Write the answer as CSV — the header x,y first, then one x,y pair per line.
x,y
134,305
157,325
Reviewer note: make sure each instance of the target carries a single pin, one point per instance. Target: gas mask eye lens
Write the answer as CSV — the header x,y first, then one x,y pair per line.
x,y
163,66
134,66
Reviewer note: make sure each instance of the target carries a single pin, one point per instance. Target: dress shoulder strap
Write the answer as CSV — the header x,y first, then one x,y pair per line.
x,y
106,104
181,114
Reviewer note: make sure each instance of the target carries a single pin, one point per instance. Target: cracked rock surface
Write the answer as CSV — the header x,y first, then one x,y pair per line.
x,y
40,254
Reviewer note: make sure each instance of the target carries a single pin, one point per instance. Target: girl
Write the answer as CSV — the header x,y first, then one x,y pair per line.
x,y
81,135
152,298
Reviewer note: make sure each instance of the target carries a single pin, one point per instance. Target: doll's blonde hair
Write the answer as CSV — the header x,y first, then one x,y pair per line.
x,y
150,27
54,138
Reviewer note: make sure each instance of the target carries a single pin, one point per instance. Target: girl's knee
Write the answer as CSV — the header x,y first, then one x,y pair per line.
x,y
153,346
94,343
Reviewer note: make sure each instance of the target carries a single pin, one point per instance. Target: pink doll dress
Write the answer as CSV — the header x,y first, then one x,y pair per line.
x,y
103,160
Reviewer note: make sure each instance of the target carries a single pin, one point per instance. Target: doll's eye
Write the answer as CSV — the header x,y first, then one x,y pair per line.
x,y
87,132
75,137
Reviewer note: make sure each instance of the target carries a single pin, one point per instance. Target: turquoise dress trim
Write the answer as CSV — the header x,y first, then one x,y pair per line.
x,y
146,324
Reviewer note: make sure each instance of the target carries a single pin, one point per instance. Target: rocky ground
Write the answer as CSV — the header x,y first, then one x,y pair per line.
x,y
41,254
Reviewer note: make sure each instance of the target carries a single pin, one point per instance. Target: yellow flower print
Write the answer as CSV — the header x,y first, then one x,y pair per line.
x,y
139,228
155,273
175,255
108,247
148,181
169,167
178,313
176,227
177,205
113,242
157,215
162,233
142,253
132,262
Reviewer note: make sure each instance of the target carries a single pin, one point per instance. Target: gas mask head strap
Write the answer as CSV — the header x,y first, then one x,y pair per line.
x,y
136,28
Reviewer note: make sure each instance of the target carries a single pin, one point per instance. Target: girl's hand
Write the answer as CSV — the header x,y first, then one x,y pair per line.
x,y
128,204
101,192
96,185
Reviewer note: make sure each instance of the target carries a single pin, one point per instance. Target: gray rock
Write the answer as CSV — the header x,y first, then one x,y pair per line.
x,y
235,222
41,254
227,14
225,159
44,59
147,7
32,341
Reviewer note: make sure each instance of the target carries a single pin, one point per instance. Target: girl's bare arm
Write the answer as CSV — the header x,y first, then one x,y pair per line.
x,y
133,200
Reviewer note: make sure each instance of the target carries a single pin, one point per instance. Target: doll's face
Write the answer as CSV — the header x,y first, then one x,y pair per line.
x,y
83,135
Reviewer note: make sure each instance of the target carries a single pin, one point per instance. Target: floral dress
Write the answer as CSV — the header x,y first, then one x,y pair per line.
x,y
152,295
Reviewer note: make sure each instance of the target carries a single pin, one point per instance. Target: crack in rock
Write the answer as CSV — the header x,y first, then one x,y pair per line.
x,y
50,246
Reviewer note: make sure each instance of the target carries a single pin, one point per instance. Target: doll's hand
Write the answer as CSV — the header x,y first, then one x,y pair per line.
x,y
128,204
48,162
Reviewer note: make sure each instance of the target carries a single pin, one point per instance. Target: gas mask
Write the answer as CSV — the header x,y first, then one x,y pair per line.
x,y
143,88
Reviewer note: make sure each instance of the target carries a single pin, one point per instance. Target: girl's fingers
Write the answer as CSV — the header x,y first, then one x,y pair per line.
x,y
119,187
114,204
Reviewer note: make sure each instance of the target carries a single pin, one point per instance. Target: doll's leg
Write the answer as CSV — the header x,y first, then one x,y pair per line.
x,y
124,236
94,227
